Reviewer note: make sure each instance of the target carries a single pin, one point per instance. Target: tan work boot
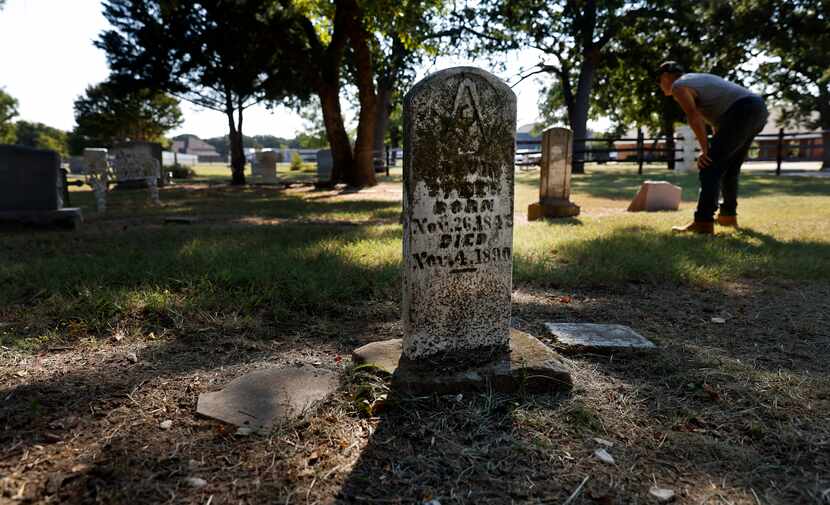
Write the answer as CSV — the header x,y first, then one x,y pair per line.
x,y
696,227
728,221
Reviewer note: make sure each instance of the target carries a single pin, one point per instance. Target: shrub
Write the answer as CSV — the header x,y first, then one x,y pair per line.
x,y
296,161
181,171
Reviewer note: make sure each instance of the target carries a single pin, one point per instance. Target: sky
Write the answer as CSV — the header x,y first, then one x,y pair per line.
x,y
47,59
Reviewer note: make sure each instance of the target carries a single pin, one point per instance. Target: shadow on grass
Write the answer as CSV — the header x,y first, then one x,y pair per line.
x,y
464,449
740,403
645,255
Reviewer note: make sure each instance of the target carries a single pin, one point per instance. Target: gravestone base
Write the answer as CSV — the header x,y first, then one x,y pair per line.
x,y
529,367
552,209
67,217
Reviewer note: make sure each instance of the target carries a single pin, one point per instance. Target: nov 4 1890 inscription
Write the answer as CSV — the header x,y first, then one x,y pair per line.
x,y
459,152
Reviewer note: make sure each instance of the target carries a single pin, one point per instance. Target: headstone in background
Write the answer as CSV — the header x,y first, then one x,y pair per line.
x,y
459,137
555,177
656,195
150,149
77,165
98,175
688,145
266,163
31,187
325,164
137,165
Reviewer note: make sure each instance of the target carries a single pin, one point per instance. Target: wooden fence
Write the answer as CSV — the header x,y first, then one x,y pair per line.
x,y
779,147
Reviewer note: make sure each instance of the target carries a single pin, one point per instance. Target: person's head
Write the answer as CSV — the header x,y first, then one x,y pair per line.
x,y
669,72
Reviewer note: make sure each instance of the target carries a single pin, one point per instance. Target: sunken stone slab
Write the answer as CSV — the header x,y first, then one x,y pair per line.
x,y
459,144
598,337
262,398
529,367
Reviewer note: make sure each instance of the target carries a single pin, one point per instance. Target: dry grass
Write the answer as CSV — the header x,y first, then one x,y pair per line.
x,y
721,413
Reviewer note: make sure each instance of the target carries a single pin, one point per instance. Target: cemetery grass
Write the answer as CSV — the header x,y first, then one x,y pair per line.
x,y
108,331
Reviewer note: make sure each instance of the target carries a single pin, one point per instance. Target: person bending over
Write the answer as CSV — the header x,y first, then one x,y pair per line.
x,y
736,115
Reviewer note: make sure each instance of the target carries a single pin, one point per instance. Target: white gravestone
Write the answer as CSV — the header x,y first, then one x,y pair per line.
x,y
458,214
133,165
655,196
688,144
98,175
555,177
265,163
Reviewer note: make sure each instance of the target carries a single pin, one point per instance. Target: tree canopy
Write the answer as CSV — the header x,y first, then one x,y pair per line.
x,y
108,113
216,54
41,136
8,111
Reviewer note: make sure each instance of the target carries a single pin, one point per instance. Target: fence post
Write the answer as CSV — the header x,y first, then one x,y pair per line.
x,y
780,156
639,150
670,155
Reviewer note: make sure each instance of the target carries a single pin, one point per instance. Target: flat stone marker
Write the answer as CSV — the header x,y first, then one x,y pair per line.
x,y
655,196
598,337
180,220
263,398
555,177
459,145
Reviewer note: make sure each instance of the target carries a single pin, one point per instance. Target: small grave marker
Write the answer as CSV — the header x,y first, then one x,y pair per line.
x,y
555,184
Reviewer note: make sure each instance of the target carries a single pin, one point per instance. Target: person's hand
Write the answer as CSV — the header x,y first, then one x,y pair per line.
x,y
703,161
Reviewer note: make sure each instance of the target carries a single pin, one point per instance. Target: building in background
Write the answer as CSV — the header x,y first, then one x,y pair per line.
x,y
193,145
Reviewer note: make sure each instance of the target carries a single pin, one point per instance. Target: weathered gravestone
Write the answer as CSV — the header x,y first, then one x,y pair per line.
x,y
136,150
459,143
688,144
264,167
32,187
98,175
325,164
555,184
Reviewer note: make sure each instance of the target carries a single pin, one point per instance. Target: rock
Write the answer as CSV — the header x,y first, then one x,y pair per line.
x,y
718,320
166,425
195,482
603,456
131,357
259,399
663,495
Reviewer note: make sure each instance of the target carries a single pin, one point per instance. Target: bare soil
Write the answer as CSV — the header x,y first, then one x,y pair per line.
x,y
737,412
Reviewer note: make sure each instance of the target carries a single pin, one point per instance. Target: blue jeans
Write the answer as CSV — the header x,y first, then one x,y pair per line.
x,y
728,150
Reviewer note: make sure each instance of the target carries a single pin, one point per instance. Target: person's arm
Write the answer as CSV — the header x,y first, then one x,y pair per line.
x,y
686,100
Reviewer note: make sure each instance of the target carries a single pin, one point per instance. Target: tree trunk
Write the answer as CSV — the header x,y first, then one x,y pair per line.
x,y
341,150
579,119
363,168
382,112
237,153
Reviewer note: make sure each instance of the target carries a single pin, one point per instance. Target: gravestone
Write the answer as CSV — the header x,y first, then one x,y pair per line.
x,y
325,164
459,139
264,167
688,144
140,149
655,196
97,175
32,187
555,184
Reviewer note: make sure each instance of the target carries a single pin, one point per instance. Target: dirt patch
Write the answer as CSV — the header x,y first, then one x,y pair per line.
x,y
733,412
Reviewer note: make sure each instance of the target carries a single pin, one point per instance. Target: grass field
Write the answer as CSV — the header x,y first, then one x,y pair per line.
x,y
723,413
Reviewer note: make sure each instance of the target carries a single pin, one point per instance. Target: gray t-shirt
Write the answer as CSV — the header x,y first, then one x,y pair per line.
x,y
714,94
